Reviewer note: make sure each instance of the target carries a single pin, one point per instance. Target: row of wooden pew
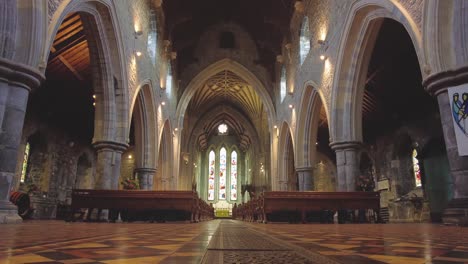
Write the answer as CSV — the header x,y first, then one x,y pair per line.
x,y
140,205
264,207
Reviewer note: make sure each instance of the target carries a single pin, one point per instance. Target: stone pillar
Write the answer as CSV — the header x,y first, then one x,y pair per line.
x,y
305,178
109,155
347,165
145,176
16,81
437,85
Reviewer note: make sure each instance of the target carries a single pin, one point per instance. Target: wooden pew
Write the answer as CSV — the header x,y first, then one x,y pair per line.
x,y
303,202
120,201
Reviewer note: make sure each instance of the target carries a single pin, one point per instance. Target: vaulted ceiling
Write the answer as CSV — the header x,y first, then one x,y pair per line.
x,y
226,87
267,21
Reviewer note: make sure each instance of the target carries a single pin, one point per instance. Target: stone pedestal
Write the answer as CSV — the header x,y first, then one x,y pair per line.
x,y
145,176
347,165
109,156
16,81
437,85
305,178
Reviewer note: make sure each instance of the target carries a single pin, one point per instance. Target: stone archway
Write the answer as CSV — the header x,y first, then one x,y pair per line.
x,y
362,27
286,170
144,119
164,179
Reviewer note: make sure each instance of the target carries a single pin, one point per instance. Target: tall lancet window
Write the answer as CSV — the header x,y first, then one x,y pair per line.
x,y
304,40
169,79
25,163
152,35
234,175
416,169
222,174
283,83
211,176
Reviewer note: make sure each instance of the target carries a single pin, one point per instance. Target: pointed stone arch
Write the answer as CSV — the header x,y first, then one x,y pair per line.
x,y
286,144
164,179
144,116
309,115
235,67
109,75
362,27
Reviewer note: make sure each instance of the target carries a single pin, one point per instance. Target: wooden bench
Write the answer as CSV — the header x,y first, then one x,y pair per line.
x,y
303,202
131,201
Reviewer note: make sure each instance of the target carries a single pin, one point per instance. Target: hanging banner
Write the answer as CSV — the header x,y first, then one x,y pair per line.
x,y
458,97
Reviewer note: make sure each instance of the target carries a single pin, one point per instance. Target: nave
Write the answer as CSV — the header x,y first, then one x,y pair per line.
x,y
231,241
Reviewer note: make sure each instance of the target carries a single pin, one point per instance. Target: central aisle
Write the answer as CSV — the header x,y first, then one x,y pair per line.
x,y
235,242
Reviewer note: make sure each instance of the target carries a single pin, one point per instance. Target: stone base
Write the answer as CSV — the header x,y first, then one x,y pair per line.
x,y
10,217
9,213
456,213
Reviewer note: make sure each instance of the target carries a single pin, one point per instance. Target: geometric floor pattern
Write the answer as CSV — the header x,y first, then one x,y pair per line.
x,y
229,241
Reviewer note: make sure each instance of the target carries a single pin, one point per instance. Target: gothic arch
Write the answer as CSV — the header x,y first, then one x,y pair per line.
x,y
286,142
362,27
109,78
306,132
235,67
444,41
145,121
164,173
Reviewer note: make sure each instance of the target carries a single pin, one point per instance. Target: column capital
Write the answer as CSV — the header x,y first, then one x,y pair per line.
x,y
145,170
110,145
438,83
342,145
305,168
19,74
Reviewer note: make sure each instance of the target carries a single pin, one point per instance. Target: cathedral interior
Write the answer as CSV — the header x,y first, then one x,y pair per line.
x,y
232,100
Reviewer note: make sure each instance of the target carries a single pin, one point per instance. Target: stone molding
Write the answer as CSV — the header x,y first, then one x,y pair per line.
x,y
110,145
145,170
307,168
438,83
342,145
19,74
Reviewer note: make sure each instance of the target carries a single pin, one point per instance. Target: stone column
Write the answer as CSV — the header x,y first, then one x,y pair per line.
x,y
16,81
109,155
145,176
305,178
437,85
347,165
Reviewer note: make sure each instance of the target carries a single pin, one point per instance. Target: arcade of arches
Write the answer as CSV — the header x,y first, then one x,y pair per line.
x,y
234,98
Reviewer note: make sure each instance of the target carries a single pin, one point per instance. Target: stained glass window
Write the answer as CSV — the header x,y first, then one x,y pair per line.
x,y
222,174
25,162
304,40
211,176
416,169
283,83
234,175
152,41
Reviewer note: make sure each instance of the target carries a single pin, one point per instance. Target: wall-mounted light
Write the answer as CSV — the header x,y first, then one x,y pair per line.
x,y
323,48
138,53
291,106
138,33
275,126
163,103
176,129
129,156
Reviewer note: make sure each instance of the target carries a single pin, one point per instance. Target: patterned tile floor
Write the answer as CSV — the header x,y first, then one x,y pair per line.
x,y
60,242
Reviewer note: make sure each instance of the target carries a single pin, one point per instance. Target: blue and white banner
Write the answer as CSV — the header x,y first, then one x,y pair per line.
x,y
458,97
